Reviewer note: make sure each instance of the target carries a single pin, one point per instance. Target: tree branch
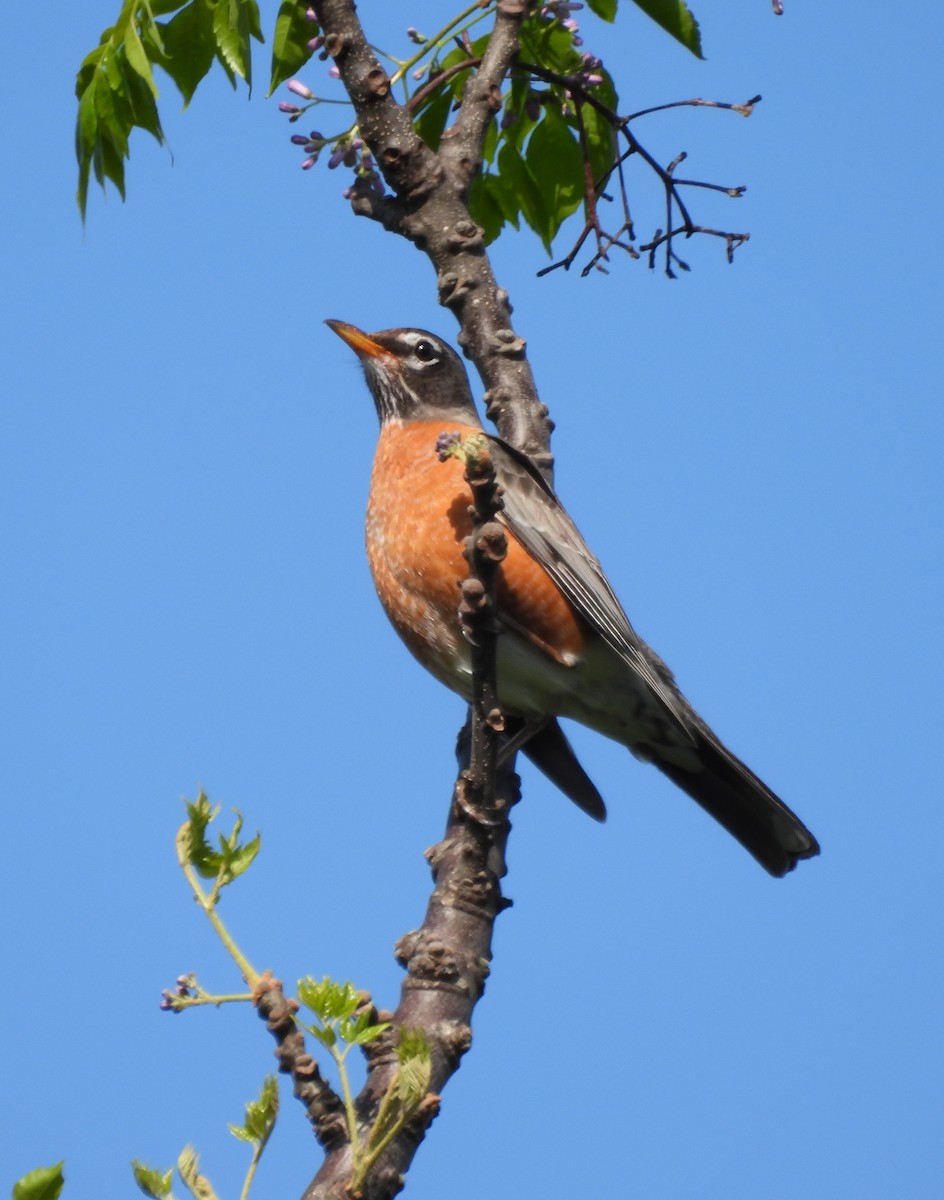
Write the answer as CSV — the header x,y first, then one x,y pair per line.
x,y
462,144
323,1106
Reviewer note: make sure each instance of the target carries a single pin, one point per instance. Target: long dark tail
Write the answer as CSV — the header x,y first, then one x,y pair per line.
x,y
745,806
553,755
723,786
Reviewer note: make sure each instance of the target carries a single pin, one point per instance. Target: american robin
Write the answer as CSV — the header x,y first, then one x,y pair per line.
x,y
565,646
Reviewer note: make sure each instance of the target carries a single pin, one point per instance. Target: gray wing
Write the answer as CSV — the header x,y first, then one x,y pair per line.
x,y
540,522
722,784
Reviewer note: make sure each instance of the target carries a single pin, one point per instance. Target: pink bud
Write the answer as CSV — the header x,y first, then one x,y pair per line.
x,y
296,86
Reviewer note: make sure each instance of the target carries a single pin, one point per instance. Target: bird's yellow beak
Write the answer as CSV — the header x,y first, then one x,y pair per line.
x,y
361,343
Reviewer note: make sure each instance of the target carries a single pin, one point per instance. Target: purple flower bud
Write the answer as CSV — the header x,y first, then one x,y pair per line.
x,y
285,107
316,43
334,72
296,86
298,139
446,445
311,15
416,37
336,158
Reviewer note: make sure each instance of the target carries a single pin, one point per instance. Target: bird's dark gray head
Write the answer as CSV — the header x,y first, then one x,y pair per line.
x,y
412,375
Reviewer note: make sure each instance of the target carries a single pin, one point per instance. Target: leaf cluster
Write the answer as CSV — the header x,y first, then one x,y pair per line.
x,y
255,1130
115,85
117,92
341,1013
233,856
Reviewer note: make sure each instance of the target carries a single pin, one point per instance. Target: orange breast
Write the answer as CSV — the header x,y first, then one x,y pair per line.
x,y
417,520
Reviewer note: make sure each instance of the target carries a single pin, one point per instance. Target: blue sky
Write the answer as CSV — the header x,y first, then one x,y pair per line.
x,y
754,453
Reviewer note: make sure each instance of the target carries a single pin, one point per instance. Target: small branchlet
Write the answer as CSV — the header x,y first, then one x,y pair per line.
x,y
678,219
485,549
197,858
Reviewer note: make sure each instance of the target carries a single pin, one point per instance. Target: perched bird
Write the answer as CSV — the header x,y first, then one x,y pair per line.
x,y
565,646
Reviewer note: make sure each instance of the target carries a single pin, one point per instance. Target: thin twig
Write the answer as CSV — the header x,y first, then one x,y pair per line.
x,y
581,94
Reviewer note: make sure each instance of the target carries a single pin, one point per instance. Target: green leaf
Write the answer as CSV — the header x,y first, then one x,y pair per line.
x,y
431,120
416,1065
675,18
137,57
601,143
189,47
603,8
200,853
515,174
516,122
326,1036
234,23
188,1166
550,45
329,1001
260,1115
362,1031
232,859
484,207
555,163
143,106
293,32
254,19
43,1183
155,1184
501,192
241,858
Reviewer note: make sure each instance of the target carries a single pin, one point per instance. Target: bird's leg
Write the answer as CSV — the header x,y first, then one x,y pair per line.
x,y
525,732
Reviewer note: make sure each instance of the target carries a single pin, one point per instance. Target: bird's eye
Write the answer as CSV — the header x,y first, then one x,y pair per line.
x,y
425,351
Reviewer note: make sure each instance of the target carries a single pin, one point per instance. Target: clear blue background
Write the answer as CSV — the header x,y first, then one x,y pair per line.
x,y
753,451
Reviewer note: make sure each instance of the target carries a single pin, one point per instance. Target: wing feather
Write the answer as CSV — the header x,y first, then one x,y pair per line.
x,y
540,522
